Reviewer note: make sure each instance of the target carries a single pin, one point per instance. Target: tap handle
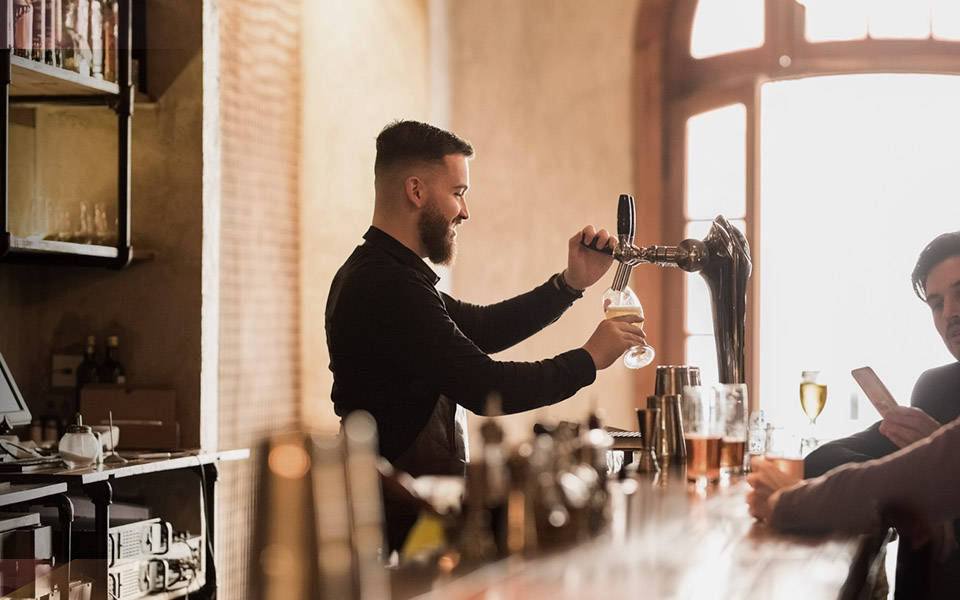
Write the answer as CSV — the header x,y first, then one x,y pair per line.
x,y
626,218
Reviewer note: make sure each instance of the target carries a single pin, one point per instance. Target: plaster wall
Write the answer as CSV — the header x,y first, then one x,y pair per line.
x,y
365,63
542,88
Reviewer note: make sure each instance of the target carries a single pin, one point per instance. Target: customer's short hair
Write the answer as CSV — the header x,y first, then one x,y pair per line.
x,y
941,248
407,142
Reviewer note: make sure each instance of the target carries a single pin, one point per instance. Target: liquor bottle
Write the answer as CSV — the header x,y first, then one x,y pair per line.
x,y
111,370
87,369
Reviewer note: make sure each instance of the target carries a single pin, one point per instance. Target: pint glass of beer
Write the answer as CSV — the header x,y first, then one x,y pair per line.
x,y
702,434
785,450
731,398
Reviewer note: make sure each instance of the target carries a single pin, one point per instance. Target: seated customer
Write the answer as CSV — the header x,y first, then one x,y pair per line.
x,y
935,401
936,395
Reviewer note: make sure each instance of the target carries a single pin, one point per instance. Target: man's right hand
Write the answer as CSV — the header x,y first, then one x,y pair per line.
x,y
612,338
905,425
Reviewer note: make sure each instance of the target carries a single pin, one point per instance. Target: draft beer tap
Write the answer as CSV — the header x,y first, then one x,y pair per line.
x,y
723,260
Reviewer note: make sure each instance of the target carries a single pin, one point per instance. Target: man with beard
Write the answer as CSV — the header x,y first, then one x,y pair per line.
x,y
413,356
922,571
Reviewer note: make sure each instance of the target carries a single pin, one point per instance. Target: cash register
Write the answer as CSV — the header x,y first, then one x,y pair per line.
x,y
14,413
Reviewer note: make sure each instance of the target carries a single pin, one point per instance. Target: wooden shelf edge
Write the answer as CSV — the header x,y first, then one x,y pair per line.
x,y
55,247
32,78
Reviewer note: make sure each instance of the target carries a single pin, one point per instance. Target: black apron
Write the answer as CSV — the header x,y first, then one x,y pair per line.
x,y
439,449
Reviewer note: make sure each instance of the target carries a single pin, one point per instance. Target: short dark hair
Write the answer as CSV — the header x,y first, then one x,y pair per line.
x,y
941,248
405,142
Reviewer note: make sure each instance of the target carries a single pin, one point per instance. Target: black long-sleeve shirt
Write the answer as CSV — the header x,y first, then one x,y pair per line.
x,y
396,344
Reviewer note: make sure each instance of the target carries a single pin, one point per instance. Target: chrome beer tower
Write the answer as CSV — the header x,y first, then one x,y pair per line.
x,y
722,258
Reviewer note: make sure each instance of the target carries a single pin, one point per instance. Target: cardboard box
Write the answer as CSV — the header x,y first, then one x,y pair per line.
x,y
150,436
138,404
146,417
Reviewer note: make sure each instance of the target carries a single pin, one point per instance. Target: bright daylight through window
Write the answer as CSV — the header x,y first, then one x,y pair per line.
x,y
858,174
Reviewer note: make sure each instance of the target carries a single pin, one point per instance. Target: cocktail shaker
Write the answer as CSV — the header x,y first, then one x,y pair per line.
x,y
668,387
671,379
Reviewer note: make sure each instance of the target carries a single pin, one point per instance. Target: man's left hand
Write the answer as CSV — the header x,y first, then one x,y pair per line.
x,y
767,482
585,266
905,425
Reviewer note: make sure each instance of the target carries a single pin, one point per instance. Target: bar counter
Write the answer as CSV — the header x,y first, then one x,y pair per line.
x,y
682,542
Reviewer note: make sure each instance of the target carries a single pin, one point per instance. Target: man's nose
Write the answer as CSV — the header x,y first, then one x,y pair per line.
x,y
464,212
951,309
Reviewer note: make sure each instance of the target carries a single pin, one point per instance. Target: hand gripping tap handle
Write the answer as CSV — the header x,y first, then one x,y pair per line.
x,y
626,225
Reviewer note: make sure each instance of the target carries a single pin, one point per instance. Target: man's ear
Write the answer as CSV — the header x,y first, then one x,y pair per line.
x,y
414,188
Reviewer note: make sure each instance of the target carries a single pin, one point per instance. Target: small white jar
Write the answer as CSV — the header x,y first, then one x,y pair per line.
x,y
79,447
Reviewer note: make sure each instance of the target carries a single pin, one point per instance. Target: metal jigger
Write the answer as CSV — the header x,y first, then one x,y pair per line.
x,y
649,419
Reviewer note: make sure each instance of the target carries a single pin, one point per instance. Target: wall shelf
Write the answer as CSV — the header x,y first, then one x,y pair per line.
x,y
27,82
32,78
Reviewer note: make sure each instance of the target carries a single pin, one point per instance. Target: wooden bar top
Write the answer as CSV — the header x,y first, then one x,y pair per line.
x,y
683,542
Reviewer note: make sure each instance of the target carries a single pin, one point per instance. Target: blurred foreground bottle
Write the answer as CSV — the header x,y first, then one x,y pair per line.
x,y
111,370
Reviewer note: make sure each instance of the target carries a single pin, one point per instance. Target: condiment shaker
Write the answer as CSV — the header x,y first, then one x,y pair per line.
x,y
79,446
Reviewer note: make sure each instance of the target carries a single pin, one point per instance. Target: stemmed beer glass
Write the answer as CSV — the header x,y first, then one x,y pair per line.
x,y
619,299
617,303
813,396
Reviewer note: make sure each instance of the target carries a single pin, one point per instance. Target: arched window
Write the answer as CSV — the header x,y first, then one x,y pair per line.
x,y
825,130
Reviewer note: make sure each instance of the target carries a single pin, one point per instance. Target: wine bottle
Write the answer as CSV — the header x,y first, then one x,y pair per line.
x,y
87,369
111,370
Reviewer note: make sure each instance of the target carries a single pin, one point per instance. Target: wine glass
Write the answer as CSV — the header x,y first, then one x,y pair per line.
x,y
617,303
813,396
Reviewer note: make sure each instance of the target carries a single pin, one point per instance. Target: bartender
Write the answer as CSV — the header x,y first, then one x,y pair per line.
x,y
415,357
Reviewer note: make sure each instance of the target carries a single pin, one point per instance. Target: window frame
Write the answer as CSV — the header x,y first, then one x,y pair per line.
x,y
671,86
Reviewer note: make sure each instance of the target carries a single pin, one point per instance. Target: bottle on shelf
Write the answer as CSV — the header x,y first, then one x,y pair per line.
x,y
87,369
111,370
23,28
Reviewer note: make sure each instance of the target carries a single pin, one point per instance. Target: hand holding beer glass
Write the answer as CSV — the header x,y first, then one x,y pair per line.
x,y
784,450
780,467
617,303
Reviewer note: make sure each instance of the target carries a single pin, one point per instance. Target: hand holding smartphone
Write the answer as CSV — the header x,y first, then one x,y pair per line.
x,y
876,391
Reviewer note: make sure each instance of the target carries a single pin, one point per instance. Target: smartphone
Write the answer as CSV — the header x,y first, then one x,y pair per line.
x,y
876,392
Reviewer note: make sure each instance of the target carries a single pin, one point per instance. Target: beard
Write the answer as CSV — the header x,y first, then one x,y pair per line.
x,y
436,235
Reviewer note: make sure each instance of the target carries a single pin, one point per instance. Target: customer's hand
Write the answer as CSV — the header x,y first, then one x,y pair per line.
x,y
905,425
612,338
767,482
584,266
